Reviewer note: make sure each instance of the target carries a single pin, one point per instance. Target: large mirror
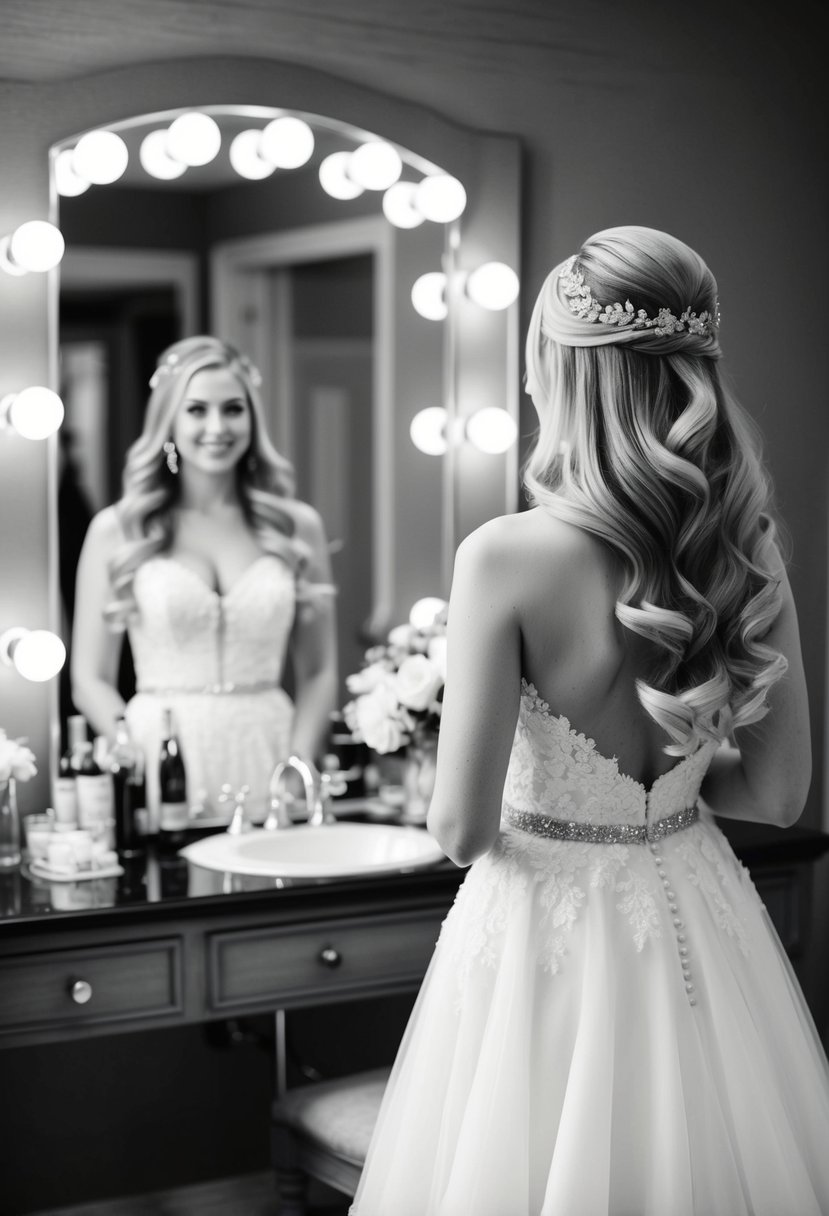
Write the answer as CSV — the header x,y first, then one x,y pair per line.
x,y
309,277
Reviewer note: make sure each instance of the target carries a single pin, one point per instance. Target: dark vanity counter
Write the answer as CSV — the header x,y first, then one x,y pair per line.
x,y
168,943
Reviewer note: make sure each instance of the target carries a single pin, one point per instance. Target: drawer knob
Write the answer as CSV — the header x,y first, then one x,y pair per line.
x,y
330,957
81,992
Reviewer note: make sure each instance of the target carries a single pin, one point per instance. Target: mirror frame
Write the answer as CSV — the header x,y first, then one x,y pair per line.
x,y
482,367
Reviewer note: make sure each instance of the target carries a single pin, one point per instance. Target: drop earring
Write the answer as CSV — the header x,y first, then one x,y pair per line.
x,y
172,456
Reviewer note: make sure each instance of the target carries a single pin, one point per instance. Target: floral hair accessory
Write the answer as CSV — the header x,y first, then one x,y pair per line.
x,y
581,302
170,365
164,369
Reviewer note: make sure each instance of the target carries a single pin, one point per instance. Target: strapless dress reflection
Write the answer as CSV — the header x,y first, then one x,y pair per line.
x,y
216,661
610,1025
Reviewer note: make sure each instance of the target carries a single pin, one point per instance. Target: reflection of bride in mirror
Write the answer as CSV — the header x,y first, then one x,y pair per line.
x,y
217,574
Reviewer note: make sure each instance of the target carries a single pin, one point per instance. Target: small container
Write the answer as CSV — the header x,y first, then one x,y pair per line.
x,y
38,830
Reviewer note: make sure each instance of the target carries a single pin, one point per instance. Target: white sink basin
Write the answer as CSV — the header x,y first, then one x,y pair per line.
x,y
330,851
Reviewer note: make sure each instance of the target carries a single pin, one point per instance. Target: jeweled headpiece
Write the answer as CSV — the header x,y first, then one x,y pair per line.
x,y
582,304
170,365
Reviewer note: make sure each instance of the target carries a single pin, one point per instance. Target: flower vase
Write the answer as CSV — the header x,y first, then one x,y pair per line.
x,y
10,854
419,779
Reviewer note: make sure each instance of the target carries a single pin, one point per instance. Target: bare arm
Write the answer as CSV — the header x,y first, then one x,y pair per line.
x,y
767,777
95,648
481,699
314,646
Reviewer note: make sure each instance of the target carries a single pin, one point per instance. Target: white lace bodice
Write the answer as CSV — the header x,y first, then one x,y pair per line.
x,y
556,771
187,636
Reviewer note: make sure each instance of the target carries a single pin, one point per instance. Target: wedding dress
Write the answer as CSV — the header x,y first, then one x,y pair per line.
x,y
610,1025
216,661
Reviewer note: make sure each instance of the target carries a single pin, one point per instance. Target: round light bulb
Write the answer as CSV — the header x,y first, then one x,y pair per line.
x,y
429,296
35,412
493,285
425,612
398,205
68,184
194,139
428,431
491,430
440,198
245,158
375,165
100,157
39,655
287,143
334,178
156,160
36,246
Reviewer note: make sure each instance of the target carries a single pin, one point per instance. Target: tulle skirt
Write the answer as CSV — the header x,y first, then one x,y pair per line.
x,y
592,1039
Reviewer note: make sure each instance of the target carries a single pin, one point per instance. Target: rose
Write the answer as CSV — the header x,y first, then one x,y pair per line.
x,y
368,679
16,760
418,682
380,720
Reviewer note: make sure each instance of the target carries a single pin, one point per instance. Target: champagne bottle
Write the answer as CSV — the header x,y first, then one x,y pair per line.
x,y
65,793
96,795
126,769
172,782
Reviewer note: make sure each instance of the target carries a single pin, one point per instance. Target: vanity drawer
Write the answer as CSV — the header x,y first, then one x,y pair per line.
x,y
288,966
100,984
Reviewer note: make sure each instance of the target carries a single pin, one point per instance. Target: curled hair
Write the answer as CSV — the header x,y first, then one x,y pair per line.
x,y
642,444
264,479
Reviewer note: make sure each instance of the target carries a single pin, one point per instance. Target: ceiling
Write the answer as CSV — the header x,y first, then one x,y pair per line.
x,y
422,51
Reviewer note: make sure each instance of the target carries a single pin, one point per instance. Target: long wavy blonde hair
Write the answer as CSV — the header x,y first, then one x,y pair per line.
x,y
642,444
146,508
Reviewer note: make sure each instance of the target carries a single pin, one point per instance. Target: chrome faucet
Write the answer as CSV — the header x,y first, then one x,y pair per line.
x,y
315,794
240,821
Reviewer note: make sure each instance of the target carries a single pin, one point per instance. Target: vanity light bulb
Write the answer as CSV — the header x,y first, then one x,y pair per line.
x,y
39,655
194,139
68,184
428,431
491,430
100,157
375,165
493,285
398,205
429,296
440,198
425,612
155,158
35,246
287,143
245,158
334,178
35,412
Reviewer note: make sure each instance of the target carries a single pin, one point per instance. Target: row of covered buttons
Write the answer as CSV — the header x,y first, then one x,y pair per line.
x,y
679,925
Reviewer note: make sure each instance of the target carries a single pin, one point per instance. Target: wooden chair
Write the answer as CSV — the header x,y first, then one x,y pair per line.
x,y
323,1131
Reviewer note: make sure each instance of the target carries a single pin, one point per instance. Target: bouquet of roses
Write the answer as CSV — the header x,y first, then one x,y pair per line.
x,y
398,693
16,760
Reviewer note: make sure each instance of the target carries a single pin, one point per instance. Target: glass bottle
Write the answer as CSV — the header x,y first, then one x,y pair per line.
x,y
127,774
96,795
65,794
174,815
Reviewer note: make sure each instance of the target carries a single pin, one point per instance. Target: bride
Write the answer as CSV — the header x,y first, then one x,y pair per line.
x,y
217,574
610,1025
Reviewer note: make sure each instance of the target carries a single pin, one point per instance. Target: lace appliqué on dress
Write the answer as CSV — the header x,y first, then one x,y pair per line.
x,y
709,874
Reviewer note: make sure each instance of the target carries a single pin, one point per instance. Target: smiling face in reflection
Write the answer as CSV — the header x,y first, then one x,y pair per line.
x,y
212,428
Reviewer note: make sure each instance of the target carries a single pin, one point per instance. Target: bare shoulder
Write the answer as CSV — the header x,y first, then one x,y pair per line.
x,y
104,533
511,540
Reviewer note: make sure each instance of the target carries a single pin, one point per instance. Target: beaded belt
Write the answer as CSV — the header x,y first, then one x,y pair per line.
x,y
599,833
215,690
